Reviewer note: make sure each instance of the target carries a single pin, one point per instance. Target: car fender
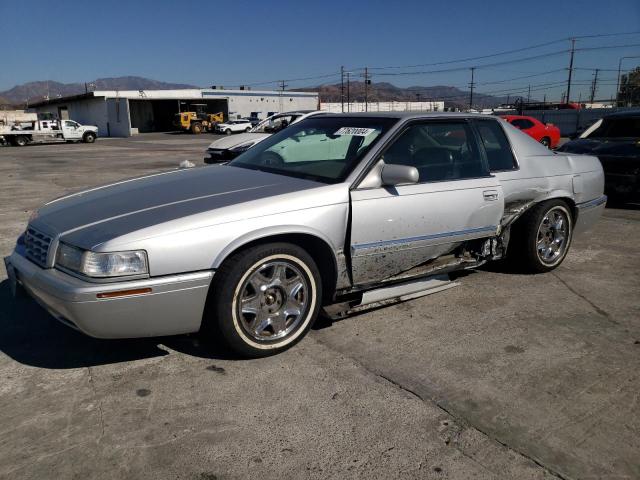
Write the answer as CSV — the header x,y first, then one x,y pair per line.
x,y
267,232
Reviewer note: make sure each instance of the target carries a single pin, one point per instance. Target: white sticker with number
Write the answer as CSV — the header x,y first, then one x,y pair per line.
x,y
355,131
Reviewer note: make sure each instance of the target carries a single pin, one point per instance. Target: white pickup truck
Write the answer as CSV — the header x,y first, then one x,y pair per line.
x,y
47,131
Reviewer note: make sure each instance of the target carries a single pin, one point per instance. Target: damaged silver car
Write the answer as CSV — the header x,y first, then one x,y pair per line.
x,y
336,212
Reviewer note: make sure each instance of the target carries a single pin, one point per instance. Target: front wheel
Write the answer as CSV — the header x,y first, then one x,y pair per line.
x,y
227,132
546,141
89,137
541,238
263,300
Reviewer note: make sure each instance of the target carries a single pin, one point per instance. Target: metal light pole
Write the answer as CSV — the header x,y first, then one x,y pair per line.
x,y
619,70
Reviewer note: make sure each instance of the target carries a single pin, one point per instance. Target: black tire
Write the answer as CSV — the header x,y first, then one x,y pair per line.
x,y
196,128
546,141
248,129
228,321
20,141
528,248
227,132
89,137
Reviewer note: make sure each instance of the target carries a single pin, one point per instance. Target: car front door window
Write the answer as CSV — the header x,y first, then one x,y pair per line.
x,y
439,151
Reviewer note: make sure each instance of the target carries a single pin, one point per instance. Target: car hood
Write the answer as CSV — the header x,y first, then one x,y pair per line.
x,y
230,142
602,147
95,216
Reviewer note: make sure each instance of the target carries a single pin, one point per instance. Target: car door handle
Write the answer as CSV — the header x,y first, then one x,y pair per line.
x,y
490,195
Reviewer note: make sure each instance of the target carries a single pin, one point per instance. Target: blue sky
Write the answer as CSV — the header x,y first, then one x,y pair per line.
x,y
233,43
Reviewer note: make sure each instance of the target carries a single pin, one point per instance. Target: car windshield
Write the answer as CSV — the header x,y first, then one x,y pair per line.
x,y
275,123
617,128
324,149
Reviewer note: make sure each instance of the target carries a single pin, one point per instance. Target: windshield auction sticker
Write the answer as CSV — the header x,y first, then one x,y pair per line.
x,y
355,131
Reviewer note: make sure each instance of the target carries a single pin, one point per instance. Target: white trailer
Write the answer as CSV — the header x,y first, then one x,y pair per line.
x,y
47,131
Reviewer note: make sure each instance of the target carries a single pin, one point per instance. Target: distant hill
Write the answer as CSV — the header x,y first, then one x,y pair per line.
x,y
386,92
377,92
37,91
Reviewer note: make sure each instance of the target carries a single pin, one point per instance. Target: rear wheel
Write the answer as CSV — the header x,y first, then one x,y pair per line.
x,y
196,128
541,238
546,141
264,299
89,137
20,141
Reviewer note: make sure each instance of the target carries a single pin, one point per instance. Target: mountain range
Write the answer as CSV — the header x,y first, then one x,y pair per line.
x,y
31,92
38,90
383,91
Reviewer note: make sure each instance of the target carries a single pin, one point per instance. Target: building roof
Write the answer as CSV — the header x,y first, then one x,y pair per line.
x,y
177,94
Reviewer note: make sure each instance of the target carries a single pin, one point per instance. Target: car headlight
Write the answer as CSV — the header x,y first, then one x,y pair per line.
x,y
242,148
102,265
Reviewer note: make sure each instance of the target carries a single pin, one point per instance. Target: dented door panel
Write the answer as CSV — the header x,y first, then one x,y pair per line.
x,y
397,228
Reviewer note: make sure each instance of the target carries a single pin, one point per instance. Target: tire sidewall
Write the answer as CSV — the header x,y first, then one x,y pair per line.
x,y
229,285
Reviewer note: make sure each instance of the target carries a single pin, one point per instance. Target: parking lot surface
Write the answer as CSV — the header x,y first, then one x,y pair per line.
x,y
504,376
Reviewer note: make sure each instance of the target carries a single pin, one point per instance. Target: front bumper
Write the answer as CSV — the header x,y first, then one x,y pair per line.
x,y
174,305
219,156
589,213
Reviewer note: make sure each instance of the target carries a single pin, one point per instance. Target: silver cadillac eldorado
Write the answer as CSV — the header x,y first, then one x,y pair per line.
x,y
335,212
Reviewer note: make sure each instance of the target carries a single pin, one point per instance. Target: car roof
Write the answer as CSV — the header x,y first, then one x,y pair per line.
x,y
412,115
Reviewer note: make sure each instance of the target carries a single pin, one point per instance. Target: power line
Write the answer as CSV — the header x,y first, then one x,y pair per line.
x,y
506,52
523,77
605,47
486,65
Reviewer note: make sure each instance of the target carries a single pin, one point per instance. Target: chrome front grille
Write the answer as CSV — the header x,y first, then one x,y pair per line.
x,y
37,246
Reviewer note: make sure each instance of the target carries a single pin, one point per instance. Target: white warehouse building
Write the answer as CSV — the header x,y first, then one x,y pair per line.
x,y
394,106
127,112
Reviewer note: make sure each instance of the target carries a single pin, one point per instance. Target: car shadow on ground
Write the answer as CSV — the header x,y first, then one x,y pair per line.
x,y
623,205
31,336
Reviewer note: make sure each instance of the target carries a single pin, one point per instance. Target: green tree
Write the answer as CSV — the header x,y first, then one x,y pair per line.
x,y
629,93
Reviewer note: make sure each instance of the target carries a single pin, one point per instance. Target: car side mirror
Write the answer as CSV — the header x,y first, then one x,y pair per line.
x,y
399,174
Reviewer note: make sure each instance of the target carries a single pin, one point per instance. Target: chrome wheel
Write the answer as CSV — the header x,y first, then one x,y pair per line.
x,y
274,299
553,236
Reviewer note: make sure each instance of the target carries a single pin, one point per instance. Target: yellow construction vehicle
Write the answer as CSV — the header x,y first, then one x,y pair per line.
x,y
196,122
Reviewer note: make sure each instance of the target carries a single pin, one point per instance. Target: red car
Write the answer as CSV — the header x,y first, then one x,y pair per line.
x,y
547,134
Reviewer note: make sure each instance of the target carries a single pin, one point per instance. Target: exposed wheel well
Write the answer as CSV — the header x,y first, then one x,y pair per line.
x,y
319,250
569,201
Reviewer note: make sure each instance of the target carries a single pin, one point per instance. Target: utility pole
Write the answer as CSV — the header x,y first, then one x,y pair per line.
x,y
342,87
281,100
529,95
348,93
594,85
573,48
472,84
366,89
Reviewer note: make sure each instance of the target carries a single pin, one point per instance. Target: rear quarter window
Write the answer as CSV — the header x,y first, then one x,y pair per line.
x,y
496,146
